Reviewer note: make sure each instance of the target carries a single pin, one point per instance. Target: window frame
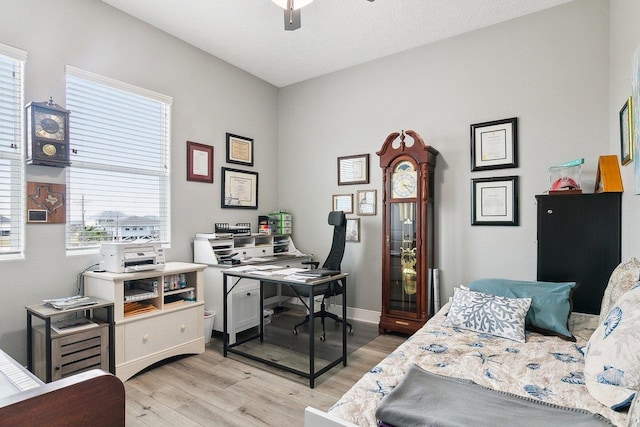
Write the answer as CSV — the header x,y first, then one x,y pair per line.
x,y
161,170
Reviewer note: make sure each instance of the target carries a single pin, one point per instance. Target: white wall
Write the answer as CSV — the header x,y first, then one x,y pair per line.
x,y
549,69
210,96
624,34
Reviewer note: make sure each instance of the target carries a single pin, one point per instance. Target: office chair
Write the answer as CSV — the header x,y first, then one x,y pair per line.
x,y
339,222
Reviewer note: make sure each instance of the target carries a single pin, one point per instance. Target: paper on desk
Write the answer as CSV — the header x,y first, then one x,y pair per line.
x,y
242,268
268,267
288,271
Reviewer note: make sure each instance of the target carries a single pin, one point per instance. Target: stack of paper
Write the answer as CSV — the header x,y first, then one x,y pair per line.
x,y
68,303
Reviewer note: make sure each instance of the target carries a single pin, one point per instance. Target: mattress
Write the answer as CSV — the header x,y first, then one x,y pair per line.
x,y
544,368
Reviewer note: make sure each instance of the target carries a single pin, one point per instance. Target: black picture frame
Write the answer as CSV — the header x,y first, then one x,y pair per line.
x,y
494,145
494,201
353,169
239,189
239,150
626,132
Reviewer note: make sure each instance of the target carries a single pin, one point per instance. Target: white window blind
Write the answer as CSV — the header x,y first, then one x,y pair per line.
x,y
11,152
118,181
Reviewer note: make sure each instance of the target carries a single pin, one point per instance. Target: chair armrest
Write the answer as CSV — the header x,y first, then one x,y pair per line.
x,y
314,263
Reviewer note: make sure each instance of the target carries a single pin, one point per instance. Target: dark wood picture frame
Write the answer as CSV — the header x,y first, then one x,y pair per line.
x,y
626,132
494,145
199,162
494,201
239,189
239,150
353,169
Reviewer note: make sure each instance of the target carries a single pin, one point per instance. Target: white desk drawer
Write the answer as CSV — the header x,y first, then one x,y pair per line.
x,y
158,333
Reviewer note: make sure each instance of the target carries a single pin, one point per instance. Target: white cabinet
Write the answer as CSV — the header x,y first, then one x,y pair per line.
x,y
244,299
157,314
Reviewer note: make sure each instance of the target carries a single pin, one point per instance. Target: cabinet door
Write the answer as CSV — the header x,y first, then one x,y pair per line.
x,y
245,310
579,240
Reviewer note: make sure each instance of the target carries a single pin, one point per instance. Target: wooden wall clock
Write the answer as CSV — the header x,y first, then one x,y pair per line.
x,y
47,134
407,238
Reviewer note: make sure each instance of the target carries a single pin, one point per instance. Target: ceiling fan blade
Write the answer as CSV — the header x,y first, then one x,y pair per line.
x,y
292,19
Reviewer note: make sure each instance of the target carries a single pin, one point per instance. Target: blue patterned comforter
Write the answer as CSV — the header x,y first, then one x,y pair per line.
x,y
544,368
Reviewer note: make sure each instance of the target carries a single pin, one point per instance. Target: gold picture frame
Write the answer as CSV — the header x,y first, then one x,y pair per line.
x,y
342,202
366,202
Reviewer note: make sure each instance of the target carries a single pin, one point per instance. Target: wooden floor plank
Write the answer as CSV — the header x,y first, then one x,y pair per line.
x,y
211,390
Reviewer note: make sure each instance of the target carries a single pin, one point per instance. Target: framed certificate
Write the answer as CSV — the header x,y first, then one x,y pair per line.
x,y
239,189
239,150
494,145
494,201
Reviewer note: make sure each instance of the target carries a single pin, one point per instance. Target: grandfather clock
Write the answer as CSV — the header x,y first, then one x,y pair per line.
x,y
407,237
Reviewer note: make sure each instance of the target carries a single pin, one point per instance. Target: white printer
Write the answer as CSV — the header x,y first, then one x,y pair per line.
x,y
126,257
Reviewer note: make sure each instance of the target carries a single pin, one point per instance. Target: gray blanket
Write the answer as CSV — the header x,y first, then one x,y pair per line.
x,y
425,399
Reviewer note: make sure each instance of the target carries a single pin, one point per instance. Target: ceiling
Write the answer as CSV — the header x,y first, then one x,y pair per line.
x,y
335,34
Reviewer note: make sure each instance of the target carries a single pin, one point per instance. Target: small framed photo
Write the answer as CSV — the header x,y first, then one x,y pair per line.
x,y
626,133
494,201
239,189
353,230
239,150
366,202
353,169
343,202
494,145
199,162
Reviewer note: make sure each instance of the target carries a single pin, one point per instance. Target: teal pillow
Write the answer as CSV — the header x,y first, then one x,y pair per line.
x,y
550,302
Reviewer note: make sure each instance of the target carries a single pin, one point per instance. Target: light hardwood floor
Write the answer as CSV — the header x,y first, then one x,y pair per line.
x,y
210,390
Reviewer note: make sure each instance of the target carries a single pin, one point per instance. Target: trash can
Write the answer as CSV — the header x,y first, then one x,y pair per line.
x,y
209,317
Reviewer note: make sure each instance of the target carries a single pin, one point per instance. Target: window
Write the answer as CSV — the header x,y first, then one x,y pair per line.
x,y
119,173
11,152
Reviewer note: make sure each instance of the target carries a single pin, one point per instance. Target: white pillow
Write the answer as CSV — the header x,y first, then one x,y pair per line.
x,y
623,277
612,356
494,315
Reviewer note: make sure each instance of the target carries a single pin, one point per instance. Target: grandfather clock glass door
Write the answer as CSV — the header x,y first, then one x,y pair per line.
x,y
402,244
407,239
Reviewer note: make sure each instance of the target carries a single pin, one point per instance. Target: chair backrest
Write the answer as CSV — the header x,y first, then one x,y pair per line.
x,y
339,222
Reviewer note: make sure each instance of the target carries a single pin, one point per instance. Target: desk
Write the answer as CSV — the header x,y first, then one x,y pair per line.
x,y
46,313
282,280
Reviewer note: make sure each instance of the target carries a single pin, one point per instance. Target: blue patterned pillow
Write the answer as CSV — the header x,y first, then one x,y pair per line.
x,y
612,356
550,302
500,316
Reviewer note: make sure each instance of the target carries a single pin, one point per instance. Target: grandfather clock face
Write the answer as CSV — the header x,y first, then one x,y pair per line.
x,y
404,181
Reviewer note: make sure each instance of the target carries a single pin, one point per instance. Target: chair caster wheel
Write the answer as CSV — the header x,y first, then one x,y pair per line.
x,y
350,331
295,332
322,338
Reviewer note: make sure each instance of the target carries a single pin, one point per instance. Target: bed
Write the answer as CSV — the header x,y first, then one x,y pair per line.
x,y
590,364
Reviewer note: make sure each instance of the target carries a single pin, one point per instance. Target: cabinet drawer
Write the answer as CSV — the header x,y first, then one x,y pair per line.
x,y
158,333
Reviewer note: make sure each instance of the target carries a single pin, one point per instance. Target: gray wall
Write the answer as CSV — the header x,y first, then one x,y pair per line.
x,y
210,97
624,34
549,69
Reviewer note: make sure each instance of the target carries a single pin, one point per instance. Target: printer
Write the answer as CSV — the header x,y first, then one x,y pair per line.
x,y
126,257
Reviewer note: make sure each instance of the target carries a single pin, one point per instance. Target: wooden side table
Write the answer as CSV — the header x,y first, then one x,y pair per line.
x,y
46,314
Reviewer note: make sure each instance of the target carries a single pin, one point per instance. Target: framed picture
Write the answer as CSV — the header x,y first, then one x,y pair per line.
x,y
494,145
494,201
239,150
353,169
366,202
626,132
199,162
353,230
343,202
46,203
239,189
635,113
